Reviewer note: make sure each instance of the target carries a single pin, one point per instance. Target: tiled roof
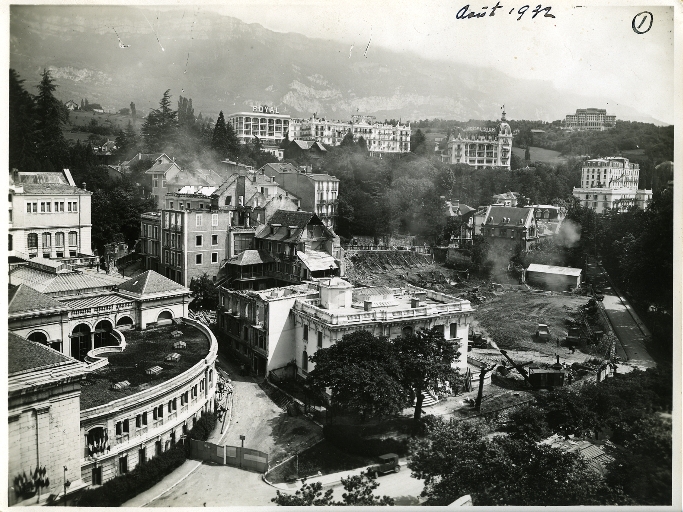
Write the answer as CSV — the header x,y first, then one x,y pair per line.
x,y
41,178
23,298
284,220
303,144
109,299
225,185
53,188
250,257
515,215
286,167
47,282
321,177
26,355
161,168
297,219
150,282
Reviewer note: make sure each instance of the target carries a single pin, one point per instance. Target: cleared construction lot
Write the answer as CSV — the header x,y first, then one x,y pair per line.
x,y
511,319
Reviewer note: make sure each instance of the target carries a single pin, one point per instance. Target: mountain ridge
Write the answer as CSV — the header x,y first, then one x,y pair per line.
x,y
225,64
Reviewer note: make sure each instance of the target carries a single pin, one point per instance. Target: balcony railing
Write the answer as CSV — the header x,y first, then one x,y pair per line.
x,y
379,315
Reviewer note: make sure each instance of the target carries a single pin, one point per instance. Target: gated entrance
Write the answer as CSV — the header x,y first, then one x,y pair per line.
x,y
245,458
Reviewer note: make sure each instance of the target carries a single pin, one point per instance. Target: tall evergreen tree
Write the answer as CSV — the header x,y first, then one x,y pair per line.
x,y
185,113
233,142
224,140
52,146
22,122
161,126
219,141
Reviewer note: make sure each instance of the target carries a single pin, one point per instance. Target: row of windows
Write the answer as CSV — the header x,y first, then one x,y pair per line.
x,y
175,259
48,206
32,240
149,231
141,419
199,240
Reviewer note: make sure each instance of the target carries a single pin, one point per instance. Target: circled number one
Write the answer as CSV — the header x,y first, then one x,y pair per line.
x,y
640,23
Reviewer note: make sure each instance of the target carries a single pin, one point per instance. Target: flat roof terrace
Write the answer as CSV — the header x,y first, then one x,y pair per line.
x,y
387,305
144,350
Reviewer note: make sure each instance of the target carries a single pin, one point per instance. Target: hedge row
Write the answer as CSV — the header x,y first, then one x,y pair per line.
x,y
118,490
124,487
346,438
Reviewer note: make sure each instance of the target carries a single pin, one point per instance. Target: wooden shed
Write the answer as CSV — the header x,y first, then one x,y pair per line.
x,y
551,277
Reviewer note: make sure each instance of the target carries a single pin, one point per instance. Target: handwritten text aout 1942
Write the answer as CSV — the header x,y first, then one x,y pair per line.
x,y
465,13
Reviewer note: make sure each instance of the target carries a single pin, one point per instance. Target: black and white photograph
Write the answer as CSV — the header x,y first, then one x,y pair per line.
x,y
360,253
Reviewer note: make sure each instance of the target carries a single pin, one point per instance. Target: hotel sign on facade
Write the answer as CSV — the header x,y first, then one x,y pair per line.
x,y
264,109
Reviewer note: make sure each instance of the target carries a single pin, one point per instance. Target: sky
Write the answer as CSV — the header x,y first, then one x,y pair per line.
x,y
592,50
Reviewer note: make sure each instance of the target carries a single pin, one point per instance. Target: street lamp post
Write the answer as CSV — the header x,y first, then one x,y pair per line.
x,y
242,438
66,484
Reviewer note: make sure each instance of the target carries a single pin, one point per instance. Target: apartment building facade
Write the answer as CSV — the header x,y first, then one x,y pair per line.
x,y
49,217
200,227
317,192
381,138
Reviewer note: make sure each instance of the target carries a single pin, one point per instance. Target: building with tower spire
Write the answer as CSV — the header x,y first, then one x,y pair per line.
x,y
481,146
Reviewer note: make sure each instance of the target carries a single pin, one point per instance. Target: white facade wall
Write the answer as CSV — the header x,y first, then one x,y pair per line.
x,y
45,433
51,222
331,334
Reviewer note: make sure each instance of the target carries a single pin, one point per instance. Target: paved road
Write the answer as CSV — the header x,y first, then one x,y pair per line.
x,y
266,428
627,326
218,486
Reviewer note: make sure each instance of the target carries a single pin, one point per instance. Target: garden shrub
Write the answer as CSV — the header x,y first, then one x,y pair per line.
x,y
118,490
346,438
203,427
124,487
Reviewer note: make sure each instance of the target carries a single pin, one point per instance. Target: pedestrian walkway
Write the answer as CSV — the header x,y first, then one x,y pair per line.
x,y
165,485
632,333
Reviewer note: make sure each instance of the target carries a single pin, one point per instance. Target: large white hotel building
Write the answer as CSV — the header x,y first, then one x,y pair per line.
x,y
595,119
481,147
611,182
271,127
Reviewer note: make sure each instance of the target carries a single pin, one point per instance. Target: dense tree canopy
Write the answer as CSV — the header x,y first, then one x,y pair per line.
x,y
161,126
22,122
458,458
427,361
51,148
359,493
363,373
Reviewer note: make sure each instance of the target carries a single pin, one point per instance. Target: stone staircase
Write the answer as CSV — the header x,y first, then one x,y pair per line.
x,y
281,399
427,399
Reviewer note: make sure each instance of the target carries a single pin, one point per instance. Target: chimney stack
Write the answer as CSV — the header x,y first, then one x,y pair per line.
x,y
367,305
84,186
415,303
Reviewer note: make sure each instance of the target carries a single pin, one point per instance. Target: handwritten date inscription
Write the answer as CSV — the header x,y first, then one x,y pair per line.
x,y
464,13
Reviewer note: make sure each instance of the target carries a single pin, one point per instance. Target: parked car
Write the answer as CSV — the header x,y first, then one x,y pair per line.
x,y
543,333
387,463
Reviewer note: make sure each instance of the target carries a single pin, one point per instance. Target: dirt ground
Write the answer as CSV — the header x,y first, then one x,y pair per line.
x,y
510,318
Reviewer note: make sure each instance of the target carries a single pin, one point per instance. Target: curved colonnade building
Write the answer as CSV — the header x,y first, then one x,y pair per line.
x,y
82,417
